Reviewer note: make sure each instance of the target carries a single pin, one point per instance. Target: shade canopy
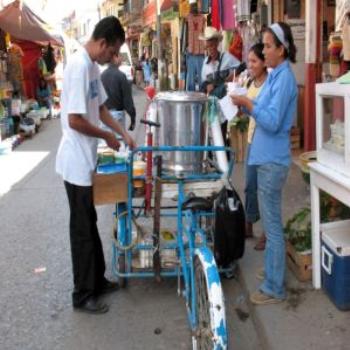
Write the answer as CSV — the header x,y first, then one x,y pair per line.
x,y
21,22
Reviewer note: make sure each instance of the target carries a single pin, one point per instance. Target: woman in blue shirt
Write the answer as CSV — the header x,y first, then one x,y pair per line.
x,y
273,111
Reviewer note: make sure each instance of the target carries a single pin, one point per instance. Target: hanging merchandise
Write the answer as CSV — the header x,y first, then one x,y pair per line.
x,y
203,6
242,10
346,37
15,67
236,46
195,51
250,36
215,14
226,41
49,59
334,49
228,15
184,8
196,24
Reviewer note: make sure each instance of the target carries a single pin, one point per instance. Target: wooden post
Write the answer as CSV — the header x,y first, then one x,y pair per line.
x,y
313,69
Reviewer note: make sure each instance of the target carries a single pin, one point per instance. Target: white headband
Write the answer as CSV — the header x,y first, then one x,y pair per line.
x,y
277,29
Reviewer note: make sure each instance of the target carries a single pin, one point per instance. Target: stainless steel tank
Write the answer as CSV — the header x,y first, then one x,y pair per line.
x,y
182,124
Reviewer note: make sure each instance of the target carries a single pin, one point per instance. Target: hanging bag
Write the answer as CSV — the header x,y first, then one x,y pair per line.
x,y
229,232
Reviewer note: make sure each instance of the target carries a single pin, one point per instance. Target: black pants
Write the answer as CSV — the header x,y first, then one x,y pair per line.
x,y
86,247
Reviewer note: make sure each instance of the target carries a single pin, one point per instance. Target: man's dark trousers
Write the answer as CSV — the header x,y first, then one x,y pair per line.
x,y
86,247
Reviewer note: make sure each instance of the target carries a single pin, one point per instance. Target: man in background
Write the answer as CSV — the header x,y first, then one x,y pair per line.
x,y
119,93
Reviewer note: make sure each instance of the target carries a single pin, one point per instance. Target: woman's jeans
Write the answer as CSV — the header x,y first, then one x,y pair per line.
x,y
271,179
251,191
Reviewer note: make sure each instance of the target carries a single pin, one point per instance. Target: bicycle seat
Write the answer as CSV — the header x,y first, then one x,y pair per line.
x,y
197,203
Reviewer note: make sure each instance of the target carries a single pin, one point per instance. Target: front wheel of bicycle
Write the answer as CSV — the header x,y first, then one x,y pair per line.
x,y
211,331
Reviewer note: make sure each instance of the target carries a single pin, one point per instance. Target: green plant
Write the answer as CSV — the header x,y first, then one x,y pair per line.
x,y
241,123
298,230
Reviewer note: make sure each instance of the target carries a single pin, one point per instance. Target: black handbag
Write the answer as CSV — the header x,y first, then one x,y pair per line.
x,y
229,231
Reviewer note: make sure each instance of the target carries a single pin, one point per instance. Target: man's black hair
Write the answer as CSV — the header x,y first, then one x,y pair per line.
x,y
110,29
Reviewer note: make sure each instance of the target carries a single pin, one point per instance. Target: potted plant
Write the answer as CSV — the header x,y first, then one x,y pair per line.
x,y
298,236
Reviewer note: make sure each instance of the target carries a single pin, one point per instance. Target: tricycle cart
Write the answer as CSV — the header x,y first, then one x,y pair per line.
x,y
183,251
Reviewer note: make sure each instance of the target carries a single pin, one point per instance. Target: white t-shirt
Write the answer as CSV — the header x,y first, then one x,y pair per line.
x,y
82,93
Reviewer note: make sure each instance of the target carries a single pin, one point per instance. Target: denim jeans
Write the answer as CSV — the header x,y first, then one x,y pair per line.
x,y
194,65
251,191
271,179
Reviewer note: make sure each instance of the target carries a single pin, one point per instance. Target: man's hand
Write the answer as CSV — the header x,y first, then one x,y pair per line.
x,y
132,123
112,141
210,88
129,141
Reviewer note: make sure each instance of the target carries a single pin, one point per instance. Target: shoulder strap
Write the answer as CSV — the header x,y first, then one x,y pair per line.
x,y
220,60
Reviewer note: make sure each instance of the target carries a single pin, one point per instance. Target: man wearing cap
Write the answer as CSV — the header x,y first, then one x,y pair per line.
x,y
217,65
217,68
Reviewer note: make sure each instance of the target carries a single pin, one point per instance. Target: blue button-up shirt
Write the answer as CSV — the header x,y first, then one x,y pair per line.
x,y
274,111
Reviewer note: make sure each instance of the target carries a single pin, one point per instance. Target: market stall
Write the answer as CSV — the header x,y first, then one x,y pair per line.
x,y
23,35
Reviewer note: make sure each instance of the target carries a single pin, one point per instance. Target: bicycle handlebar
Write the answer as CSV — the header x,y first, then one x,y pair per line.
x,y
150,123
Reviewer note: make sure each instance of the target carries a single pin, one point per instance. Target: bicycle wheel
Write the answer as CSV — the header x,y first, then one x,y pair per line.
x,y
211,332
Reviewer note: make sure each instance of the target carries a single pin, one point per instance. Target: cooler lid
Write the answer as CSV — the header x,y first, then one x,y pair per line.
x,y
337,239
182,96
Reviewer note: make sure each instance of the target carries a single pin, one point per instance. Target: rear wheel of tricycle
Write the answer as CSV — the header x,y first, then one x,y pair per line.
x,y
211,332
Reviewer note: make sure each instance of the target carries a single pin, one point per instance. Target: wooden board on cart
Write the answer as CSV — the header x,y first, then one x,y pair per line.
x,y
110,188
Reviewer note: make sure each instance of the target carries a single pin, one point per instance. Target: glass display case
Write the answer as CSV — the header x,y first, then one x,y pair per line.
x,y
332,126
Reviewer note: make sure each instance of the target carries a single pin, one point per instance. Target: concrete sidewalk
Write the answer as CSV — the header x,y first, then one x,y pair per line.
x,y
307,320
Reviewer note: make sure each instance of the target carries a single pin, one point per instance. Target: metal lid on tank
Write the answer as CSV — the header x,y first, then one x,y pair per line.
x,y
181,96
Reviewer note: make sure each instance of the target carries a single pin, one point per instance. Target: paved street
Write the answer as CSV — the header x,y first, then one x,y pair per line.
x,y
36,279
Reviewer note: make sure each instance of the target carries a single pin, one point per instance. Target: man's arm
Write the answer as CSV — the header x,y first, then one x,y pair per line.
x,y
108,120
80,124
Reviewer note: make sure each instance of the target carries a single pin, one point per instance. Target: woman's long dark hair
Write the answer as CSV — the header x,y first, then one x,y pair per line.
x,y
257,49
291,52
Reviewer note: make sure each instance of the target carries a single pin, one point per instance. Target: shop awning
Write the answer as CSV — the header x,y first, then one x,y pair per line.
x,y
22,23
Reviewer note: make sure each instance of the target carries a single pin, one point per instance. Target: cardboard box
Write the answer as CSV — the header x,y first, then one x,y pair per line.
x,y
110,188
300,263
238,141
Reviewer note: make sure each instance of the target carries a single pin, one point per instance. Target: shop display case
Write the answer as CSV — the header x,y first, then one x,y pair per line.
x,y
333,126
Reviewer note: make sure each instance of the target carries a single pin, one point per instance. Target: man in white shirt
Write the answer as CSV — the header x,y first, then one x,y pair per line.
x,y
82,107
217,68
216,64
